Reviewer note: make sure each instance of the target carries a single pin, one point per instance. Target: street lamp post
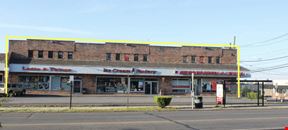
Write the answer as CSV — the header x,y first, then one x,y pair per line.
x,y
192,90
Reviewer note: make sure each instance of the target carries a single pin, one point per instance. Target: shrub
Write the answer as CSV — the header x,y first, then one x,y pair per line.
x,y
162,101
252,95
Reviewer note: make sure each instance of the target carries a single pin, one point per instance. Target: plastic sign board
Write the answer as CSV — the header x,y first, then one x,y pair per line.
x,y
71,79
219,94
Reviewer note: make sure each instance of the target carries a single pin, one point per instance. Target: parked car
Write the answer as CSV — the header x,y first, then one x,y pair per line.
x,y
13,90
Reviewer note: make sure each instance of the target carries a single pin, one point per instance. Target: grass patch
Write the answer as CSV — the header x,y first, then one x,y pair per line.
x,y
82,109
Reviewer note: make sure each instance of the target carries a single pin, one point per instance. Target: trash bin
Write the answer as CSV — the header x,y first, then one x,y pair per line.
x,y
198,101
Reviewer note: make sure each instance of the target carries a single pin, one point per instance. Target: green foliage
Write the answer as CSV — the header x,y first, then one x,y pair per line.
x,y
252,95
162,101
245,91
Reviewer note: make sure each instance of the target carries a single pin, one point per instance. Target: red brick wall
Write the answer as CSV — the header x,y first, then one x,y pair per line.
x,y
97,52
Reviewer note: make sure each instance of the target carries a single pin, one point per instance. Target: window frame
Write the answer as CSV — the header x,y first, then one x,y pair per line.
x,y
70,55
50,54
210,59
41,55
60,56
184,59
136,57
118,57
108,56
126,57
218,60
145,57
193,59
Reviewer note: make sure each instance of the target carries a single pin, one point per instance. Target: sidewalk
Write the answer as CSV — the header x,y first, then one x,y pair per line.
x,y
132,109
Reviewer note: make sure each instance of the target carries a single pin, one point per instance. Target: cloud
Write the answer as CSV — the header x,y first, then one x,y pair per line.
x,y
44,28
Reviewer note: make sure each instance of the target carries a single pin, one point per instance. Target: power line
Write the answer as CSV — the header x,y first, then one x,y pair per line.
x,y
268,40
275,58
269,69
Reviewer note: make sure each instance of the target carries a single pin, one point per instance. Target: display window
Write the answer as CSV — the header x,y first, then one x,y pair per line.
x,y
137,85
181,85
35,82
111,85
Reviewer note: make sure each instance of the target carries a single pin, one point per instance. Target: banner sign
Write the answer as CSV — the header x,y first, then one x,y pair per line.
x,y
219,94
46,69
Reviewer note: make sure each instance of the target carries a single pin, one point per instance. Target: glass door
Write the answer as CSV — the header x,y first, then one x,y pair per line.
x,y
77,86
151,87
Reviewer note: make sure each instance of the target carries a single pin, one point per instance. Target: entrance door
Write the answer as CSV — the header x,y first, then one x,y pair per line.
x,y
77,86
151,87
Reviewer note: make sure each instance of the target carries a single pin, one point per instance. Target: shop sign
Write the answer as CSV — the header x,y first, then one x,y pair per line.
x,y
46,69
211,73
117,70
142,71
219,94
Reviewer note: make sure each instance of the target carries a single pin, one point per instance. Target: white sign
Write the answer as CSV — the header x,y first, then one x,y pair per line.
x,y
219,94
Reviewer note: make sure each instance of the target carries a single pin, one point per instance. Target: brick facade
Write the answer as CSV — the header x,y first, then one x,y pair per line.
x,y
104,54
97,52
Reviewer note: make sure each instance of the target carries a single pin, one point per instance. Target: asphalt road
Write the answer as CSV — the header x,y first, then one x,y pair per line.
x,y
112,100
175,120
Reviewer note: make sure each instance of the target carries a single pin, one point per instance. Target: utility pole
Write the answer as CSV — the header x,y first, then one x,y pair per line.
x,y
192,90
234,41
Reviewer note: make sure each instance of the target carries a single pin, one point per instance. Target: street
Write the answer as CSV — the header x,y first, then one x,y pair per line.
x,y
175,120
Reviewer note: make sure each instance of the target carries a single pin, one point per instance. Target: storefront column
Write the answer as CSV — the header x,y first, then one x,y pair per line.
x,y
50,82
129,85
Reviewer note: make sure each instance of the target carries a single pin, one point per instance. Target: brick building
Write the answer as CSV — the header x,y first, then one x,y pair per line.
x,y
2,66
110,67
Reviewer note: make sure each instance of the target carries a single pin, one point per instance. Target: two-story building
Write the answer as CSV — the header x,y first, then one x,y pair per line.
x,y
110,67
2,68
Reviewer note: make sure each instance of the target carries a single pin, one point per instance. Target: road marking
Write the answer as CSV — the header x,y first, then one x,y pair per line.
x,y
137,122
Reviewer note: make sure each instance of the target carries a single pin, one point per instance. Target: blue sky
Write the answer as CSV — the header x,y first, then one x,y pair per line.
x,y
253,22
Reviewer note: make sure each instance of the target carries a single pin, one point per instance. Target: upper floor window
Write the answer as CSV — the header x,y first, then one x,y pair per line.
x,y
60,54
210,59
30,53
126,57
193,59
201,59
70,55
145,57
136,57
218,60
40,54
185,59
50,54
118,56
108,56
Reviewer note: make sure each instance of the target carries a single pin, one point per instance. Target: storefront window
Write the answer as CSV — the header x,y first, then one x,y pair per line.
x,y
137,85
208,85
35,82
111,85
181,85
64,83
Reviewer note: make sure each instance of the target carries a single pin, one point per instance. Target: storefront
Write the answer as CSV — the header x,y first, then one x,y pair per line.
x,y
118,80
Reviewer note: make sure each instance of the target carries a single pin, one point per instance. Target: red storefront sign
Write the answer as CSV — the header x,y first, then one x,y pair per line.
x,y
209,73
54,69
